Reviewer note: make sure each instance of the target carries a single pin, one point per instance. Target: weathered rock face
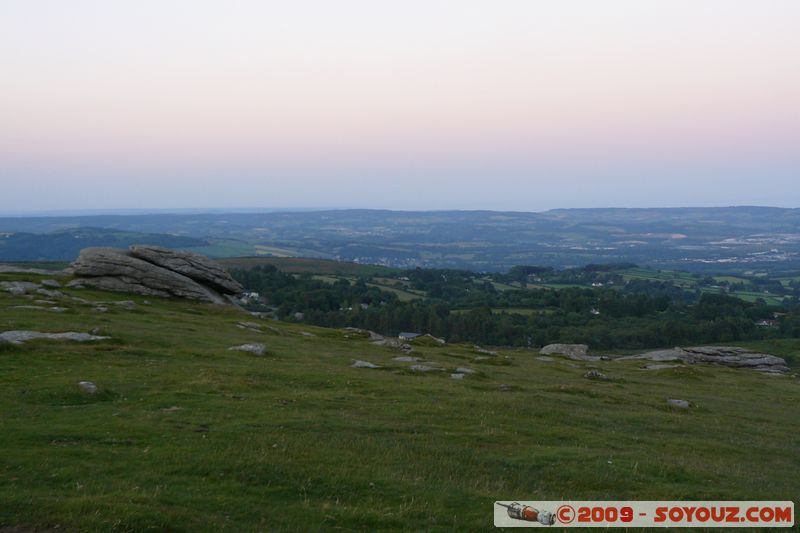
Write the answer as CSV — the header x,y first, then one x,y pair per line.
x,y
194,266
576,352
118,270
254,348
18,337
565,349
730,356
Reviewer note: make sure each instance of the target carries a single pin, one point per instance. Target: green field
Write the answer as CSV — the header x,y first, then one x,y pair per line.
x,y
224,248
681,279
185,435
730,279
403,295
308,265
748,296
44,265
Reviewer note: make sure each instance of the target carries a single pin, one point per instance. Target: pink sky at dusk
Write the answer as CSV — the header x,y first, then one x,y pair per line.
x,y
107,104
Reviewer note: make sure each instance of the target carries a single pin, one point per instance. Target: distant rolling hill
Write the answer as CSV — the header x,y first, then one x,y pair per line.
x,y
718,239
65,245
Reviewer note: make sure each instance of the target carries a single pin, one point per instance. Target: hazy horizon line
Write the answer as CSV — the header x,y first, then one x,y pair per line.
x,y
307,209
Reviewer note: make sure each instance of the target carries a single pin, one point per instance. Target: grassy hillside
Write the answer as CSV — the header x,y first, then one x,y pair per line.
x,y
185,435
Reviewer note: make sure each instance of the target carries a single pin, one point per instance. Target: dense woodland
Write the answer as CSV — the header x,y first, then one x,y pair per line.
x,y
461,306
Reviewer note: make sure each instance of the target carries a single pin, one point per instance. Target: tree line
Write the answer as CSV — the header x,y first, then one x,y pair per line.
x,y
461,307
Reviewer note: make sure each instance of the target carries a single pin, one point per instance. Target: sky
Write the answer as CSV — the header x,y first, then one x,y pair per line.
x,y
420,104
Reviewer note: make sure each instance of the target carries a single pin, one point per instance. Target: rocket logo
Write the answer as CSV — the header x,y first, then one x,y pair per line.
x,y
527,513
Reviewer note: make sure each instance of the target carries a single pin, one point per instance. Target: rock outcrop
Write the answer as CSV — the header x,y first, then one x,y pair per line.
x,y
576,352
364,364
154,271
194,266
730,356
19,337
254,348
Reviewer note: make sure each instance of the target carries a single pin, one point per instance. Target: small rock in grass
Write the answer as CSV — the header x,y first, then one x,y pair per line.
x,y
545,359
658,367
425,368
18,337
254,348
484,350
680,404
88,387
504,387
464,370
49,293
51,283
363,364
307,334
595,374
457,376
18,288
406,359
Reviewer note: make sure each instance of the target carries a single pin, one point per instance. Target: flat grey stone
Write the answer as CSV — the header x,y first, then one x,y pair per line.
x,y
364,364
50,293
254,348
406,359
484,350
425,368
730,356
659,367
457,376
464,370
18,288
88,387
252,326
18,337
595,374
680,404
657,355
576,352
565,349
